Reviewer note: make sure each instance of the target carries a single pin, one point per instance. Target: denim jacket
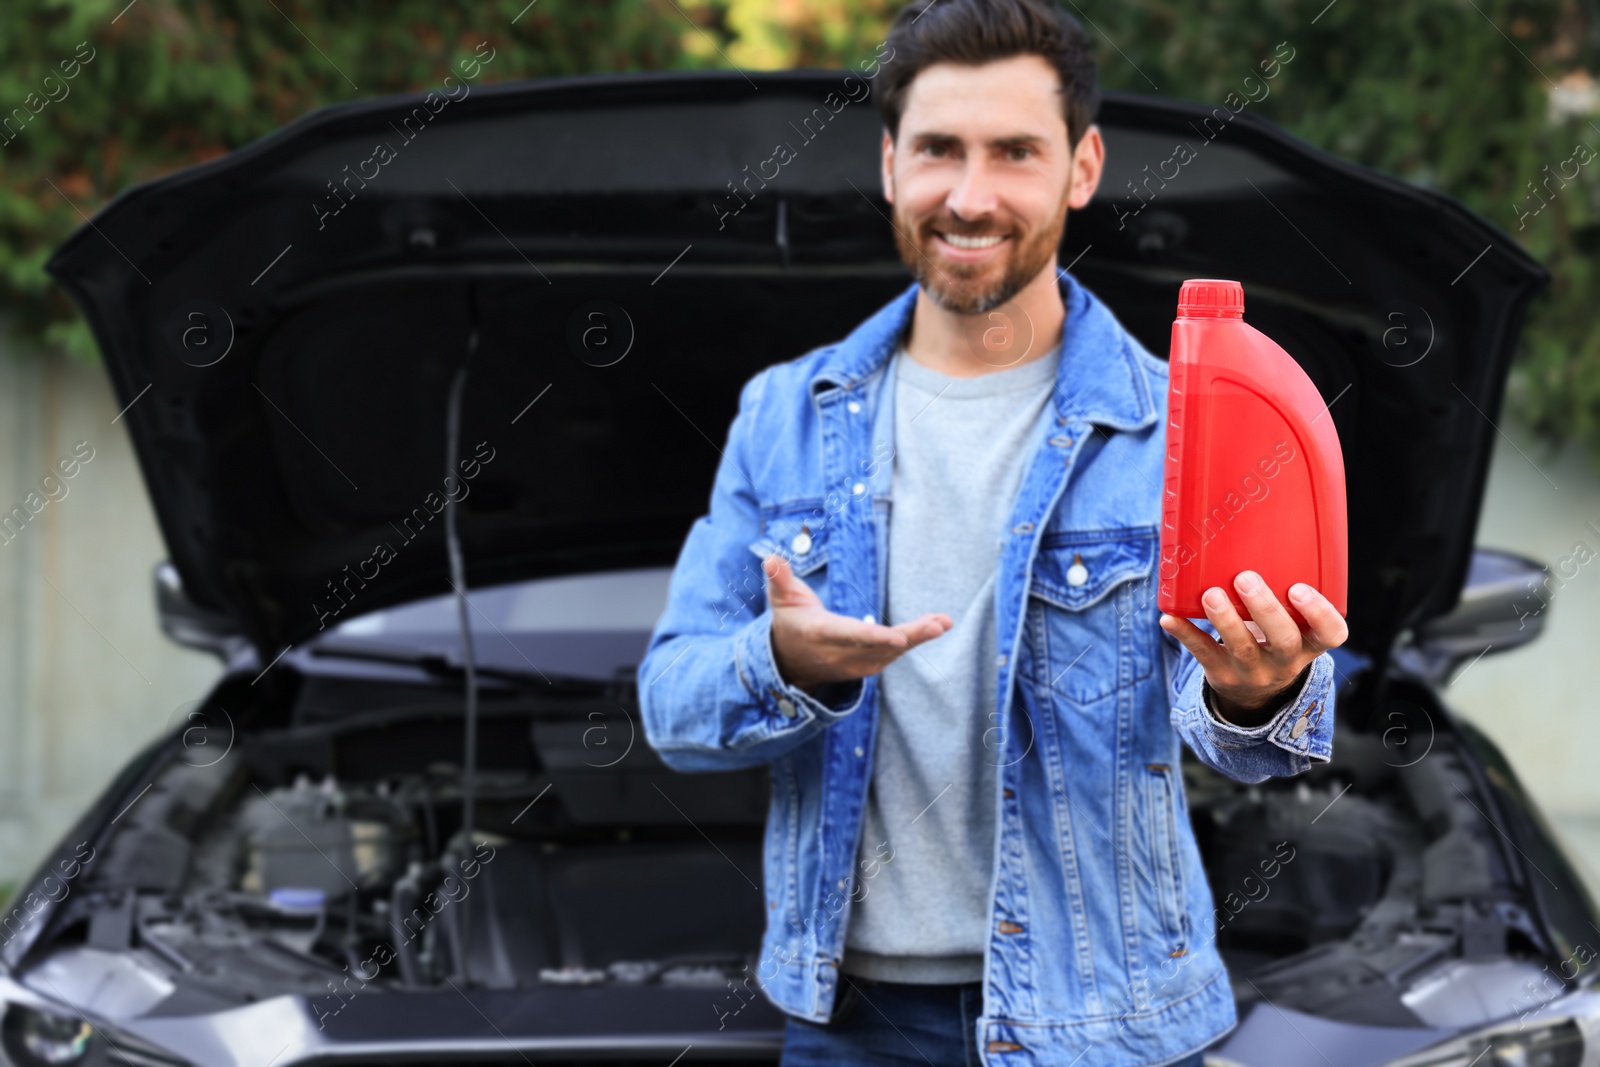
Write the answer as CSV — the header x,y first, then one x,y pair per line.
x,y
1103,931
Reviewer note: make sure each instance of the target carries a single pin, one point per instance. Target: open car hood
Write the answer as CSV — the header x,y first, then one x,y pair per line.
x,y
282,324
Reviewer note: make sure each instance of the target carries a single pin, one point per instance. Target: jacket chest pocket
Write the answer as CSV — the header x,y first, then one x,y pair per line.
x,y
1092,611
798,533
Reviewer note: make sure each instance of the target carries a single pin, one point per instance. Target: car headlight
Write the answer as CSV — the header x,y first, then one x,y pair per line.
x,y
39,1039
34,1038
1558,1043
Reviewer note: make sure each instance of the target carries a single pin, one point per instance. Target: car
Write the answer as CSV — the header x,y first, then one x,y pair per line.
x,y
426,398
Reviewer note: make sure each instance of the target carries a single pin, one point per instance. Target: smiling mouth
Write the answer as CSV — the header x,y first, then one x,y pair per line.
x,y
958,241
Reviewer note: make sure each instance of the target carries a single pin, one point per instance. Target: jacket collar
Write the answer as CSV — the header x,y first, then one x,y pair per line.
x,y
1099,379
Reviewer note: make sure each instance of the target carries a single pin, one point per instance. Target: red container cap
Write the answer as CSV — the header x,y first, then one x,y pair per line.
x,y
1211,298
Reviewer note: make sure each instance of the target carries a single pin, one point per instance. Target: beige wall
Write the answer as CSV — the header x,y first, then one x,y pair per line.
x,y
86,676
1539,702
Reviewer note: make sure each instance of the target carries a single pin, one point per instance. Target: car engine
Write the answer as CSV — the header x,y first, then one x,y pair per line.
x,y
326,856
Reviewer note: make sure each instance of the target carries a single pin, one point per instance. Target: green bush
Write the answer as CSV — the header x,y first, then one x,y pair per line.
x,y
160,84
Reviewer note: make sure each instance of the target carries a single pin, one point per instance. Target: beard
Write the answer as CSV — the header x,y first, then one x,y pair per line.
x,y
969,288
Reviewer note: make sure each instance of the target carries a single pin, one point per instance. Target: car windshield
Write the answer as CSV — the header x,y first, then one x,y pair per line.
x,y
589,626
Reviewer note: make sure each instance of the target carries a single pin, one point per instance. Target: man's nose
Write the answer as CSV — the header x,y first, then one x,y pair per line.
x,y
973,196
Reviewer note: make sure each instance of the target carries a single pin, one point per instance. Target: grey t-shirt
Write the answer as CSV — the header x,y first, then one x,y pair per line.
x,y
961,446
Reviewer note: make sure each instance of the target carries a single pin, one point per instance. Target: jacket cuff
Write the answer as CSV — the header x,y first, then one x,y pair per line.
x,y
1301,726
787,705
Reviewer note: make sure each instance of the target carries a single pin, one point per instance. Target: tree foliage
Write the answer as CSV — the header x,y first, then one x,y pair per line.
x,y
171,82
1483,99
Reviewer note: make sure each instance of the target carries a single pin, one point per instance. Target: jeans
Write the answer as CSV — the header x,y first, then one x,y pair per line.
x,y
892,1023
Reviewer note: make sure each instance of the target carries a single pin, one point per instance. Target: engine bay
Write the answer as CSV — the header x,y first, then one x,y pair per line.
x,y
1342,891
326,857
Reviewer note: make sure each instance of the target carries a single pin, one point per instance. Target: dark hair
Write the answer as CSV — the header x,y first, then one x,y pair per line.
x,y
974,32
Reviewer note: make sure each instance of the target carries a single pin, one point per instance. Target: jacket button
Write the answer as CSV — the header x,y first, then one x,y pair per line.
x,y
1001,659
855,407
1061,441
1077,574
787,707
1004,1046
1300,726
858,488
860,752
1022,528
801,543
1009,927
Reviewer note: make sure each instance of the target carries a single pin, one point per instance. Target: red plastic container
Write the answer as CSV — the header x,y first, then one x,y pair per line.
x,y
1254,473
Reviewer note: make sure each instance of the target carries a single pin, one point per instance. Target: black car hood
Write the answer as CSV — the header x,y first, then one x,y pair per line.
x,y
282,324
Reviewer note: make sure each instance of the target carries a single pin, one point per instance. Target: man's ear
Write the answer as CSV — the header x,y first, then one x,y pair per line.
x,y
1088,164
888,166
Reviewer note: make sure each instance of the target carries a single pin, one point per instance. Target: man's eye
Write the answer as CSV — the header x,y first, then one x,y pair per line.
x,y
938,151
1018,154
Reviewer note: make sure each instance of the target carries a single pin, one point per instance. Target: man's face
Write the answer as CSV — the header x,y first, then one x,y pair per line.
x,y
981,176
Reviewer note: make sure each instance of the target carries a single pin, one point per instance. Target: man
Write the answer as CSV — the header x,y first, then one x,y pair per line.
x,y
978,848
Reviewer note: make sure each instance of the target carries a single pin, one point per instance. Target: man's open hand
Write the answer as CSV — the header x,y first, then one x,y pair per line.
x,y
813,645
1259,658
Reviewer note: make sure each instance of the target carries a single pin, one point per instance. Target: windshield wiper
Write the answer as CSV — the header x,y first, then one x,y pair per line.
x,y
441,665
